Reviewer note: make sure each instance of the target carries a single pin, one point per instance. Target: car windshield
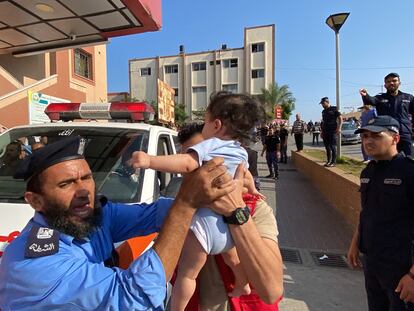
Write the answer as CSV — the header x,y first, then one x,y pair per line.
x,y
106,150
348,126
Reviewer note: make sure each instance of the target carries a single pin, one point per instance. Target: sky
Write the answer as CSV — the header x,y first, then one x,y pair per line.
x,y
376,39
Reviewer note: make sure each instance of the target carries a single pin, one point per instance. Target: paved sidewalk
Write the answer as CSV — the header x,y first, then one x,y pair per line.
x,y
307,223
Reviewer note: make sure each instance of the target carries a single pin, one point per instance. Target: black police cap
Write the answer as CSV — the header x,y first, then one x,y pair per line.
x,y
324,99
380,124
64,149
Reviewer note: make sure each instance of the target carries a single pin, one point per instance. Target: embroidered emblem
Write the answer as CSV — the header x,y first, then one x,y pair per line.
x,y
41,242
364,180
392,181
44,233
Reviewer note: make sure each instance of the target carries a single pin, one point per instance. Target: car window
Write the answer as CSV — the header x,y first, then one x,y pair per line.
x,y
162,179
348,126
106,150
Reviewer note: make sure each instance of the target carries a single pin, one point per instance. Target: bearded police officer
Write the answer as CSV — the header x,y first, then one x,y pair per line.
x,y
60,260
396,104
386,223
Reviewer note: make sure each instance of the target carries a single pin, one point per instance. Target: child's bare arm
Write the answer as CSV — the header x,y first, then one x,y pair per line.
x,y
174,163
249,184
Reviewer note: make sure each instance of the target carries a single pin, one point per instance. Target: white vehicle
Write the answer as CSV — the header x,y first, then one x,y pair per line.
x,y
107,148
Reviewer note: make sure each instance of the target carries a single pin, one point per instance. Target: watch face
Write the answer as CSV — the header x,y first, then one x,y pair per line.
x,y
241,217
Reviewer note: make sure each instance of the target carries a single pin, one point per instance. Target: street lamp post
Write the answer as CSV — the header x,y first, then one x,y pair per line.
x,y
335,22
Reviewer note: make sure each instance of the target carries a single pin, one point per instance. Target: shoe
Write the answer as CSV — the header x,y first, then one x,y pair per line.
x,y
330,165
326,164
270,176
276,177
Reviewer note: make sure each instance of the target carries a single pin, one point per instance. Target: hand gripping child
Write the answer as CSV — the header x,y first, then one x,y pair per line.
x,y
228,121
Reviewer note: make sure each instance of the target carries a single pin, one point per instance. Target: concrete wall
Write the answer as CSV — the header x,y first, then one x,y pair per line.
x,y
340,189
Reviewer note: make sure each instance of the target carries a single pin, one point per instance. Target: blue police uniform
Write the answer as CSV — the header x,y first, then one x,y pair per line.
x,y
44,269
399,107
386,229
74,277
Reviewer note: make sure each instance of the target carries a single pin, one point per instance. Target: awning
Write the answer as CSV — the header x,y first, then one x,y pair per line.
x,y
34,26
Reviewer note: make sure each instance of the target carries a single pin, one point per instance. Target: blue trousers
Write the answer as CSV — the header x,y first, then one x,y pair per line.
x,y
271,159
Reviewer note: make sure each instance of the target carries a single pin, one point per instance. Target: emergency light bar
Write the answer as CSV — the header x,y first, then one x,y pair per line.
x,y
135,111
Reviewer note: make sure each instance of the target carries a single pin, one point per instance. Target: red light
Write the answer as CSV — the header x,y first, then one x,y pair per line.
x,y
136,111
62,111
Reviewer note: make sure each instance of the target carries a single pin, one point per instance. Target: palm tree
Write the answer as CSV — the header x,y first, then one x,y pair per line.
x,y
277,95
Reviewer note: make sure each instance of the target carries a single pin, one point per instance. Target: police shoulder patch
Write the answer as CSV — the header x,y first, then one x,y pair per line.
x,y
42,241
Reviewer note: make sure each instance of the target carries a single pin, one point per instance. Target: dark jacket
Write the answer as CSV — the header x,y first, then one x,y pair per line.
x,y
399,107
387,216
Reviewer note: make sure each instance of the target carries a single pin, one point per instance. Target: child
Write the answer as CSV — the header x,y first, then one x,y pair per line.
x,y
228,121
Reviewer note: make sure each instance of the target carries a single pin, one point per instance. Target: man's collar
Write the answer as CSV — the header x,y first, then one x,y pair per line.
x,y
40,220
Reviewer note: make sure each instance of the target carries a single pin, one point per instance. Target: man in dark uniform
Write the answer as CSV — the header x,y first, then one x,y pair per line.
x,y
272,148
331,126
396,104
283,135
386,223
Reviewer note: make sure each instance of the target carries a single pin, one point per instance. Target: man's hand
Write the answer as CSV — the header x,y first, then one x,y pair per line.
x,y
353,256
363,92
406,288
140,159
206,184
225,205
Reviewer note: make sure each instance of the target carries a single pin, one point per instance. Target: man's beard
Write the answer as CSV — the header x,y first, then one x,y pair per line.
x,y
60,219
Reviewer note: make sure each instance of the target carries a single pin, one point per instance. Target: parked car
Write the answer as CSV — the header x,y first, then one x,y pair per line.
x,y
348,135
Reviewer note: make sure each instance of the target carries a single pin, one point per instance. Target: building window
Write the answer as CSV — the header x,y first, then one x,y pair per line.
x,y
257,73
199,66
171,69
257,47
83,64
230,63
199,89
146,71
232,88
176,92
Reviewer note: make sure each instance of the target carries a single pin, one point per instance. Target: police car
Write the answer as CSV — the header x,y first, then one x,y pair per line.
x,y
107,145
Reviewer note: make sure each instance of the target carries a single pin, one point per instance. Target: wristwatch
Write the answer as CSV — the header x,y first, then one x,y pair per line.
x,y
238,217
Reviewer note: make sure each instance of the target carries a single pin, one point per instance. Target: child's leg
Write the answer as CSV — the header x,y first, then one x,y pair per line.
x,y
241,286
193,258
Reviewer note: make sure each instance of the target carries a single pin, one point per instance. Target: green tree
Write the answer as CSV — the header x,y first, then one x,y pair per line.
x,y
180,114
277,95
199,114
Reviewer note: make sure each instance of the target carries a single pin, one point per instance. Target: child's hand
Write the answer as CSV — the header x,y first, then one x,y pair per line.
x,y
140,159
261,196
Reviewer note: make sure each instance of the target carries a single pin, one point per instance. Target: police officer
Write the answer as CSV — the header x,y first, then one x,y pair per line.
x,y
60,260
385,232
330,127
396,104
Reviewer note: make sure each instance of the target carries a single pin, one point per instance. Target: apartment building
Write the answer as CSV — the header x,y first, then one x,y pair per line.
x,y
194,76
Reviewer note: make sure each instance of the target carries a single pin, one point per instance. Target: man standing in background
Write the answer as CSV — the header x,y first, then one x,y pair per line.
x,y
298,129
283,135
331,126
396,104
